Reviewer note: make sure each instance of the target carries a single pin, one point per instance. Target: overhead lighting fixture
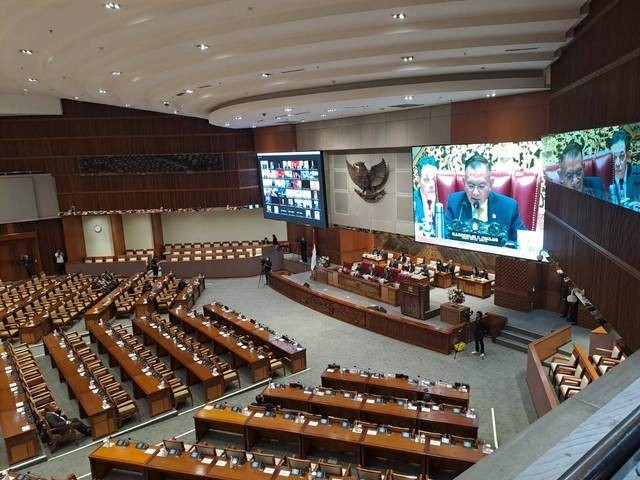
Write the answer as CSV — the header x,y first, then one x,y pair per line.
x,y
175,112
408,97
399,16
331,110
127,105
189,91
488,95
266,75
323,114
288,109
289,114
32,80
25,90
76,98
102,91
493,94
253,126
116,73
407,58
227,124
112,6
202,46
237,117
166,104
26,51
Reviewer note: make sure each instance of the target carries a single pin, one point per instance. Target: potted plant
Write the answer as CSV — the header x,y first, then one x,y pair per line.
x,y
456,296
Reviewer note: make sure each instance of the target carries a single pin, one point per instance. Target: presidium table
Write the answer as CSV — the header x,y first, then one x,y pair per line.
x,y
478,287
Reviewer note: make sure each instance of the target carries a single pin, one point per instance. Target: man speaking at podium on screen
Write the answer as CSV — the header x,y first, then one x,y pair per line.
x,y
477,213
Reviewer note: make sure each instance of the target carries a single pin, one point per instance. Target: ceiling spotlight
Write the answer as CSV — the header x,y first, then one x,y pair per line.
x,y
202,46
116,73
323,114
102,91
175,112
288,109
253,126
408,97
32,80
112,6
289,114
26,51
237,117
331,110
227,124
25,90
166,104
76,98
488,95
189,91
493,94
408,58
127,105
266,75
399,16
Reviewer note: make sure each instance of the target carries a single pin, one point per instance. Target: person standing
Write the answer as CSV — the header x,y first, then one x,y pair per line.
x,y
303,249
274,240
59,260
155,268
480,330
27,263
266,268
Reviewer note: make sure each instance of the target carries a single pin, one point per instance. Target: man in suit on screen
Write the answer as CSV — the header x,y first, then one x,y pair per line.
x,y
478,202
572,172
626,177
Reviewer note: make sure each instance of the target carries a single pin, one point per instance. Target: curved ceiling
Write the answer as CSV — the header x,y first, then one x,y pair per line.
x,y
279,61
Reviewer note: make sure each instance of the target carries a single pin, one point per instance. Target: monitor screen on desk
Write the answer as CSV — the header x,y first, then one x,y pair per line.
x,y
484,197
293,187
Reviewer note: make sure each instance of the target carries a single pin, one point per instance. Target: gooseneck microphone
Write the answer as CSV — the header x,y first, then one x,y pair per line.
x,y
613,194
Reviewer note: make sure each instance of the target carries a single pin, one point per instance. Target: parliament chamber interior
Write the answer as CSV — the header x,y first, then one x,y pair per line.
x,y
340,239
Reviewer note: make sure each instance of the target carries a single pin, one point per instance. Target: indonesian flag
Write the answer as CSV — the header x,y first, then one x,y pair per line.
x,y
314,258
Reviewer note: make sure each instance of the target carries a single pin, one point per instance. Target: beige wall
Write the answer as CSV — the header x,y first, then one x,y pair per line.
x,y
220,225
137,231
97,244
402,128
392,213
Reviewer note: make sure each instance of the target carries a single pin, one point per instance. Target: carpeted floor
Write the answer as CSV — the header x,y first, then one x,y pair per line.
x,y
498,387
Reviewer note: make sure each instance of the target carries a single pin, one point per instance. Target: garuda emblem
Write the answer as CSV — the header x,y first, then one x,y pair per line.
x,y
371,182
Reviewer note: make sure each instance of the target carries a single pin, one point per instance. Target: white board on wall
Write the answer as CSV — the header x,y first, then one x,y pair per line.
x,y
98,240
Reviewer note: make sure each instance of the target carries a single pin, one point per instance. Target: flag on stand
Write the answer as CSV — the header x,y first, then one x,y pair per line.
x,y
313,258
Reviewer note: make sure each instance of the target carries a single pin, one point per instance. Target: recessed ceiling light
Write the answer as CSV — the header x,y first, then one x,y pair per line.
x,y
289,114
399,16
202,46
227,124
25,90
112,6
408,97
116,73
102,91
26,51
238,117
488,95
493,94
408,58
288,109
127,105
266,75
76,98
323,114
32,80
175,112
331,110
189,91
253,126
166,104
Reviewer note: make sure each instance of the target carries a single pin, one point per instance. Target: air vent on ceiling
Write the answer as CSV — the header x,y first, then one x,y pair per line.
x,y
180,94
296,70
204,86
357,106
523,49
407,105
301,113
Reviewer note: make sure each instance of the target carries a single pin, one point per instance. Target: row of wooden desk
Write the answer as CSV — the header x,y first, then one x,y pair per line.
x,y
381,384
212,383
159,399
364,440
18,430
105,309
374,408
295,354
102,421
222,343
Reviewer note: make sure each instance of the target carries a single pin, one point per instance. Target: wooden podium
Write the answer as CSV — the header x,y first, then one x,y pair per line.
x,y
453,314
414,299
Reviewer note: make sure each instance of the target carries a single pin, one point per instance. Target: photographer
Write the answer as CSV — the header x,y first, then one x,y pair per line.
x,y
266,268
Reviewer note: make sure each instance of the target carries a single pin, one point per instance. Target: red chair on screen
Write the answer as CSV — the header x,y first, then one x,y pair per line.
x,y
597,165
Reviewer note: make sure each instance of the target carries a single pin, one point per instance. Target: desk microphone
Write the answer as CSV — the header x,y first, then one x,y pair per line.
x,y
613,194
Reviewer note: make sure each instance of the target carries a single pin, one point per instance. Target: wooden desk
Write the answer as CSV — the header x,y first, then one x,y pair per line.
x,y
105,309
20,436
360,286
212,383
452,313
258,364
297,356
394,447
221,419
131,459
276,427
442,279
36,328
103,421
332,437
391,386
176,466
159,400
478,287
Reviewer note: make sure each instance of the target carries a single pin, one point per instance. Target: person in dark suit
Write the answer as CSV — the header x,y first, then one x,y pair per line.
x,y
274,240
155,268
27,263
303,249
451,267
59,422
626,177
439,266
572,172
478,335
425,197
477,201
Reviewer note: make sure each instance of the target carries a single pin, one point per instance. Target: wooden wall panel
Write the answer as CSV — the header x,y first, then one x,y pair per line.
x,y
48,236
280,138
501,119
54,144
73,239
156,232
117,234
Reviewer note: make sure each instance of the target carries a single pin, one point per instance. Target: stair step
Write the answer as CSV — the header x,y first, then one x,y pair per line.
x,y
506,342
522,331
517,337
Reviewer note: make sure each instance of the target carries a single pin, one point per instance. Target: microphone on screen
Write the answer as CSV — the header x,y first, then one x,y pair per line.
x,y
613,194
476,205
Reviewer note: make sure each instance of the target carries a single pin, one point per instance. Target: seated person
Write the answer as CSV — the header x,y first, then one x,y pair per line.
x,y
478,202
484,274
439,266
572,172
450,267
393,264
403,258
384,254
59,422
476,272
409,267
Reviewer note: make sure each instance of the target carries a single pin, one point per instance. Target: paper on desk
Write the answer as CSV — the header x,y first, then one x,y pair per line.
x,y
269,470
434,442
330,370
221,463
208,407
372,432
369,400
150,451
284,473
26,428
258,415
313,423
207,460
412,407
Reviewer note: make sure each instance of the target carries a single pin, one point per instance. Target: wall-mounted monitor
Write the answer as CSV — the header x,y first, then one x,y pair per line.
x,y
293,187
484,197
601,162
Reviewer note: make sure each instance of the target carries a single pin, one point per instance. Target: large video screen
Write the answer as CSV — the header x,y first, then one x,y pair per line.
x,y
293,187
602,162
485,197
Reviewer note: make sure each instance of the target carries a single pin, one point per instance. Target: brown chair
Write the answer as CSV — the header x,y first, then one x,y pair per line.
x,y
368,474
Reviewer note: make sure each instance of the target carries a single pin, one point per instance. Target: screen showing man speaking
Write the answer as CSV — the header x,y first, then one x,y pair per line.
x,y
486,197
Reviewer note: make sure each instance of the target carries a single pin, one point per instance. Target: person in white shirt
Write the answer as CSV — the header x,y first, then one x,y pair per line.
x,y
59,258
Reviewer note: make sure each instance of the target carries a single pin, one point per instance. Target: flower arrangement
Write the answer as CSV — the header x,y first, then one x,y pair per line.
x,y
456,296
